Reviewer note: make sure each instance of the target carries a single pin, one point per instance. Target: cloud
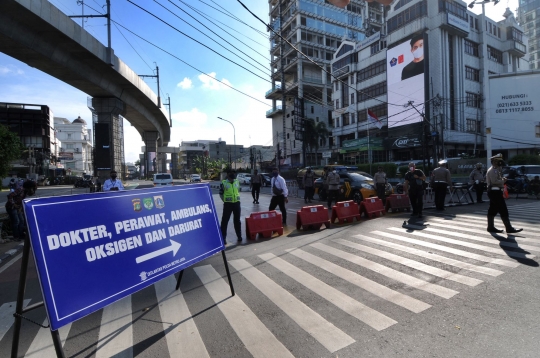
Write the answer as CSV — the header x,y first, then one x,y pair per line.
x,y
10,70
193,117
185,84
212,83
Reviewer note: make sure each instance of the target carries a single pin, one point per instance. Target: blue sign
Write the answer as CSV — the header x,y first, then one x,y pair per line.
x,y
94,249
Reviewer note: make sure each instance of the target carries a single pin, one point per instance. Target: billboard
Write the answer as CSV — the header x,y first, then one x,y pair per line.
x,y
405,80
132,240
513,110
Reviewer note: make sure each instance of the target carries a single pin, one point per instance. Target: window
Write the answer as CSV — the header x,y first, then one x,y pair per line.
x,y
471,48
454,8
69,136
352,98
337,103
69,146
373,91
346,119
380,111
353,118
472,74
352,80
473,126
537,130
412,13
473,100
312,109
371,71
494,55
337,122
514,34
335,86
376,47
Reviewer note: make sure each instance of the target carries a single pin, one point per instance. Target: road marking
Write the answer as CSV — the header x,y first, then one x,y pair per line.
x,y
530,219
174,247
448,249
433,257
42,345
494,250
447,224
181,333
116,331
412,304
486,240
6,316
414,264
259,341
389,272
331,337
11,262
349,305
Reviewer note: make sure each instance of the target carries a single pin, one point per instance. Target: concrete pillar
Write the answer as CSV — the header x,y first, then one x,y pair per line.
x,y
151,143
109,133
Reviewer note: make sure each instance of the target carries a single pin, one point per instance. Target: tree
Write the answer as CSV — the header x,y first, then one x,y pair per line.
x,y
10,149
315,135
138,165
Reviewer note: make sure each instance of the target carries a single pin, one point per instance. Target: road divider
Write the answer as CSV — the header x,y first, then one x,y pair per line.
x,y
345,211
312,217
264,223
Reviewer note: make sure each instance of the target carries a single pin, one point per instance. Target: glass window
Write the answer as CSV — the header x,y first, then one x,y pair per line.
x,y
473,100
472,74
494,55
471,48
371,71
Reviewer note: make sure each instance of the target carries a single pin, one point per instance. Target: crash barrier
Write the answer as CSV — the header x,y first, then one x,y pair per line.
x,y
460,195
292,185
264,223
345,211
397,202
312,217
372,207
429,194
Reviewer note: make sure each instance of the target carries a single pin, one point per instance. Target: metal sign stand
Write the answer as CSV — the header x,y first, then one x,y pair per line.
x,y
20,310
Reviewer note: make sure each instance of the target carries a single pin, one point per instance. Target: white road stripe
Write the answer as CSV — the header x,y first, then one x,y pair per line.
x,y
389,272
457,225
412,304
331,337
259,341
486,240
435,271
483,224
356,309
494,250
116,332
6,266
183,337
531,219
42,345
432,256
6,316
448,249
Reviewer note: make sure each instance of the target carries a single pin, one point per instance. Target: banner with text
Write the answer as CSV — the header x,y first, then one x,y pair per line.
x,y
110,245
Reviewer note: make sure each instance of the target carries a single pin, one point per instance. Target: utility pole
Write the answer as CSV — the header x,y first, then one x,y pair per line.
x,y
282,70
424,151
158,96
168,104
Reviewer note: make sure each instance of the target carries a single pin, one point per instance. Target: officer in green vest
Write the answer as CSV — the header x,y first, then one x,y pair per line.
x,y
229,192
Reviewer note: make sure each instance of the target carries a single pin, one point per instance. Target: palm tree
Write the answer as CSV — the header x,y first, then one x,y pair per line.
x,y
315,135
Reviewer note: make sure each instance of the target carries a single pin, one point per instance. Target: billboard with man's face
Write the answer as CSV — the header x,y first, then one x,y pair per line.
x,y
405,80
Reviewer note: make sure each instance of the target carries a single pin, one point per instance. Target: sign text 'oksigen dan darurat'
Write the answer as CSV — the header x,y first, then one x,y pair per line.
x,y
94,249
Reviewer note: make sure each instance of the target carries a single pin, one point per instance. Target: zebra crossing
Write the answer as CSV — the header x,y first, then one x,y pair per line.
x,y
372,278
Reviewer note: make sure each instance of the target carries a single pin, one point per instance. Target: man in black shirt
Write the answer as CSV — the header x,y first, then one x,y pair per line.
x,y
414,184
416,67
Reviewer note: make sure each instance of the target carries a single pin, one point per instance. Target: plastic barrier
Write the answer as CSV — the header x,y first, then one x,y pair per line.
x,y
345,211
398,202
372,207
264,223
312,217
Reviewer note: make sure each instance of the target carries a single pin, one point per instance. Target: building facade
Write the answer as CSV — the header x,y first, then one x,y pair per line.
x,y
76,152
425,79
529,18
302,87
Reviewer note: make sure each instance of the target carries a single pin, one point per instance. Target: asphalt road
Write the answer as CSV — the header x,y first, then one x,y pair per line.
x,y
371,288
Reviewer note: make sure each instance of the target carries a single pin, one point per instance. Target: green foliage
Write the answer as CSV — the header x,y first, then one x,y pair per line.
x,y
525,159
207,167
10,149
315,133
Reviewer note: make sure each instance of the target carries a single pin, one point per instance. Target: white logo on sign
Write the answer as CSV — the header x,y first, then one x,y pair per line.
x,y
372,200
143,276
264,216
346,205
313,210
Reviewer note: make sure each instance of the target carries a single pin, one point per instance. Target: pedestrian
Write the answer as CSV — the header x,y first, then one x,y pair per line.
x,y
279,194
477,179
332,181
309,182
229,192
414,185
441,180
112,184
14,207
380,183
495,185
255,185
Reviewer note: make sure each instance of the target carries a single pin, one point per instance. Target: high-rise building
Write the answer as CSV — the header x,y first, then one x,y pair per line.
x,y
302,87
529,18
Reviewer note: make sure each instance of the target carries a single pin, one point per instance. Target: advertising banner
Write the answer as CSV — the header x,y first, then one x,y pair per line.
x,y
110,245
405,78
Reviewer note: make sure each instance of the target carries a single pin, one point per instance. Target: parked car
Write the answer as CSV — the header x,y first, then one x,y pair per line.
x,y
318,171
193,178
163,179
243,178
353,186
515,171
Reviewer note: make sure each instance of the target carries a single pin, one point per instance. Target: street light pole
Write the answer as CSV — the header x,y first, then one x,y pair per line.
x,y
234,133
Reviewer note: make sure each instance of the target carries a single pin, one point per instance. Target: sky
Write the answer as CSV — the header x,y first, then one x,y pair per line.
x,y
197,99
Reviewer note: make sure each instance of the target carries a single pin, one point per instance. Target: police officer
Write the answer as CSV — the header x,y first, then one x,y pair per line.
x,y
308,181
332,181
229,192
441,181
497,205
380,183
255,183
477,178
414,186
